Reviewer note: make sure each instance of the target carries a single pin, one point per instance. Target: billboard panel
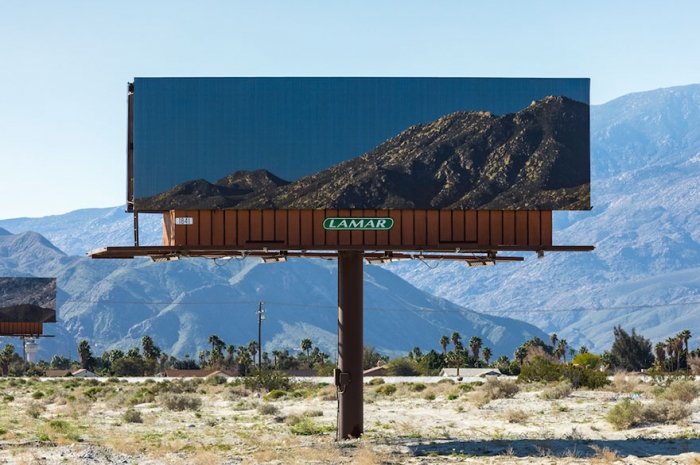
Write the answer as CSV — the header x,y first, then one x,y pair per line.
x,y
27,300
360,143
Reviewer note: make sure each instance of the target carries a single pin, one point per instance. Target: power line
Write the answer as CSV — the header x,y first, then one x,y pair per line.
x,y
386,309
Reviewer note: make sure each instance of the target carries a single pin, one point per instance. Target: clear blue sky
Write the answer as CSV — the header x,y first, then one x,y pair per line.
x,y
64,65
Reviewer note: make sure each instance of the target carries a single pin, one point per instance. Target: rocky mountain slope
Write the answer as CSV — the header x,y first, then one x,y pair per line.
x,y
534,158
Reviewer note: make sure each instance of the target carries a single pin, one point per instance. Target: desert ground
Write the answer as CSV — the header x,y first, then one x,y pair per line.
x,y
407,420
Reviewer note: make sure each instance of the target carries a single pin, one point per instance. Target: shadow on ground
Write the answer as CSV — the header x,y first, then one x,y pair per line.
x,y
559,447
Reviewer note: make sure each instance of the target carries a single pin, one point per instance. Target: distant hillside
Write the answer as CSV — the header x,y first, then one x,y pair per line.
x,y
180,304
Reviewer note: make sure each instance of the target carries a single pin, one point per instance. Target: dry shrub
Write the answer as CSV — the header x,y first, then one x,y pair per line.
x,y
180,402
624,382
558,391
694,364
132,416
493,389
628,413
515,416
204,457
603,455
681,390
328,393
665,411
268,409
35,409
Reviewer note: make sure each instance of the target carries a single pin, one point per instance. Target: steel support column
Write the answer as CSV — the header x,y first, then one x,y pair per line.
x,y
350,325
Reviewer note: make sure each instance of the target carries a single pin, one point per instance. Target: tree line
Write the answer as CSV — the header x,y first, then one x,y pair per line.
x,y
630,351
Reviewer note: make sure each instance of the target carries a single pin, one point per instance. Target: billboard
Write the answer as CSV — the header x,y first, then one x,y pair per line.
x,y
359,143
27,300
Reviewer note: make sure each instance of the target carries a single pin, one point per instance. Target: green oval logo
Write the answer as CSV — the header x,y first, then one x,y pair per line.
x,y
358,224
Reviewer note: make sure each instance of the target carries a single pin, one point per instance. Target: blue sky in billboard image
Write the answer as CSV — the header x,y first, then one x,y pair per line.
x,y
66,65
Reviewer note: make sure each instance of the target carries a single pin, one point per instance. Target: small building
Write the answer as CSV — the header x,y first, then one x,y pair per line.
x,y
57,373
471,372
83,373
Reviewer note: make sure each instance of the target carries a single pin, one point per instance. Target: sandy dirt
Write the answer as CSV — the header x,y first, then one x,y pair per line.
x,y
422,422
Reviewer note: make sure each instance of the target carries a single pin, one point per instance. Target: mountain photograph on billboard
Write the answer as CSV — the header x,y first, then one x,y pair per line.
x,y
27,300
359,143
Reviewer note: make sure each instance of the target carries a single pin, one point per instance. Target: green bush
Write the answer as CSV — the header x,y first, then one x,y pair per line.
x,y
580,376
541,370
275,394
418,387
37,395
132,416
386,389
628,413
375,381
268,380
180,402
625,414
587,360
469,387
403,366
305,427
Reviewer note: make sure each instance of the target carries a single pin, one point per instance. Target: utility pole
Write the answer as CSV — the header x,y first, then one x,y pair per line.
x,y
261,316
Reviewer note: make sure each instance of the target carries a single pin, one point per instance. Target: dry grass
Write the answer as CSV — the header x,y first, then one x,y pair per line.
x,y
515,416
626,383
233,423
604,456
493,389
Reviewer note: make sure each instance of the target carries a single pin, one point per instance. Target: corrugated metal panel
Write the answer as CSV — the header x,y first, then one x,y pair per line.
x,y
21,329
303,229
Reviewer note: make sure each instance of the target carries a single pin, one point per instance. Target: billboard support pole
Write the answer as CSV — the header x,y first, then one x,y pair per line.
x,y
349,376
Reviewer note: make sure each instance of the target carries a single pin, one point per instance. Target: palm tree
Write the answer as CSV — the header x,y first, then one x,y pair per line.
x,y
475,346
456,340
520,354
253,349
671,348
275,356
230,355
487,355
306,345
660,353
554,338
684,336
562,349
444,340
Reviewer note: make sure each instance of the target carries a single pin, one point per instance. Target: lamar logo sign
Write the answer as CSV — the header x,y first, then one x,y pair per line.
x,y
361,224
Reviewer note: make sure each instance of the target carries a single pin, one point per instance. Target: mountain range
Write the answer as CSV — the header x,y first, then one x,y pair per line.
x,y
536,158
645,224
114,303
